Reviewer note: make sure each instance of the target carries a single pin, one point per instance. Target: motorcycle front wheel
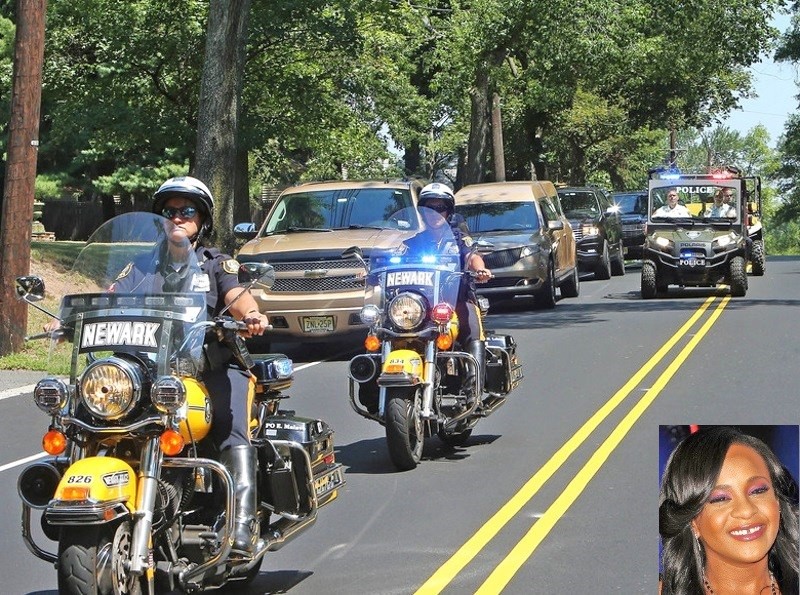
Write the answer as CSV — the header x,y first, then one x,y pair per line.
x,y
91,561
405,429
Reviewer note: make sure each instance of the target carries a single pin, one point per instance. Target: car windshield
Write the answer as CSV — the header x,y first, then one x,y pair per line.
x,y
501,216
324,210
632,204
707,202
579,204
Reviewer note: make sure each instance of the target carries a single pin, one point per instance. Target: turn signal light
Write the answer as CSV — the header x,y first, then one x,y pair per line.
x,y
372,343
75,493
444,341
54,442
171,443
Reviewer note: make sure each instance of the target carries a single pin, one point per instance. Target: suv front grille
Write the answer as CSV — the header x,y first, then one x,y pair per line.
x,y
322,284
630,230
310,265
318,278
502,258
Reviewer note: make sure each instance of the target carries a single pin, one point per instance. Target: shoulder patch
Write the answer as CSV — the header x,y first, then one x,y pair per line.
x,y
125,272
468,241
231,266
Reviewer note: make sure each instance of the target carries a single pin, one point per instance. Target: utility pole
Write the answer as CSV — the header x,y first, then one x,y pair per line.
x,y
18,194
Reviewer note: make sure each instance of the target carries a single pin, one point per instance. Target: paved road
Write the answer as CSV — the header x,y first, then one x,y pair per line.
x,y
554,493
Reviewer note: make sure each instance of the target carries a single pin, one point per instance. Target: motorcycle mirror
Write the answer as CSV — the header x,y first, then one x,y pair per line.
x,y
353,252
484,247
260,272
30,288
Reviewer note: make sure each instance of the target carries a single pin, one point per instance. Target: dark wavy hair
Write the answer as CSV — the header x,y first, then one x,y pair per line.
x,y
690,475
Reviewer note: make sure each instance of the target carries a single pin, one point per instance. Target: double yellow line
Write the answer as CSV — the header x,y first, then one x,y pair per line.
x,y
506,570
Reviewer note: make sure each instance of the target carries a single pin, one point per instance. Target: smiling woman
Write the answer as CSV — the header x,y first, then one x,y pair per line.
x,y
727,517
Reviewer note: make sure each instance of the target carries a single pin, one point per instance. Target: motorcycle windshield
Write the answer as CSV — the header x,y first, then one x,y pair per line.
x,y
141,292
428,264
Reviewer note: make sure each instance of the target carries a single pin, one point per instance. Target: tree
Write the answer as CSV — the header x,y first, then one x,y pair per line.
x,y
218,147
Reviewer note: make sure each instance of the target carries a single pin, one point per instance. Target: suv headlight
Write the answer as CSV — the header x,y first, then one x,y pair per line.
x,y
110,387
406,311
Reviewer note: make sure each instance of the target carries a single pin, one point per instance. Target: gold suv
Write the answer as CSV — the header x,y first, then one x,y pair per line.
x,y
317,294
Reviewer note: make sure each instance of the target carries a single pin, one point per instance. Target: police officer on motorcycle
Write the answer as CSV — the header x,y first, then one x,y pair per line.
x,y
437,204
188,203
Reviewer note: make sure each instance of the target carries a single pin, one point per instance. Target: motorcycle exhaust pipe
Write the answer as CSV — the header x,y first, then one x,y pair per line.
x,y
363,368
37,484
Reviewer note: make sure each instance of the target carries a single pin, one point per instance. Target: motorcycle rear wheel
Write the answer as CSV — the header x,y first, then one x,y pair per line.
x,y
90,561
405,429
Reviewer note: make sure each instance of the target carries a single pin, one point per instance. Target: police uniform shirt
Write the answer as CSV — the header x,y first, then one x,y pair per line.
x,y
148,274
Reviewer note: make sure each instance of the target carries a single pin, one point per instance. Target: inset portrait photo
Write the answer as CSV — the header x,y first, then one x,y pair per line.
x,y
728,510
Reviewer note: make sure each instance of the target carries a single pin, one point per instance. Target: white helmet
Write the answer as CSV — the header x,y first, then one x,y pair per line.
x,y
439,192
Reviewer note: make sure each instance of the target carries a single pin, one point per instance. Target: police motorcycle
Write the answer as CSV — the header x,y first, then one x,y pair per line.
x,y
414,378
130,491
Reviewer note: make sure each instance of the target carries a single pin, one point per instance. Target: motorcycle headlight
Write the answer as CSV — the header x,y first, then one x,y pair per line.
x,y
590,230
406,311
168,394
50,395
110,387
370,314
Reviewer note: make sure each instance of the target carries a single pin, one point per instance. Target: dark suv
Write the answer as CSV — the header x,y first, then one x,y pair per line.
x,y
598,230
633,213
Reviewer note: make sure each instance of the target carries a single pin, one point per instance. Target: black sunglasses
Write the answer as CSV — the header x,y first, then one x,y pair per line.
x,y
186,212
438,208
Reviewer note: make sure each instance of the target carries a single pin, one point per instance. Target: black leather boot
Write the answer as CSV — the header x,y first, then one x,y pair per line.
x,y
478,350
242,462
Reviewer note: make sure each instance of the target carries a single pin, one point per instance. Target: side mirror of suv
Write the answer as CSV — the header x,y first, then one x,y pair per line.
x,y
245,231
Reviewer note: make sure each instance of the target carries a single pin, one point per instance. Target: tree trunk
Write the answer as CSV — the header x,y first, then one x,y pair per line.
x,y
497,140
480,129
219,113
23,141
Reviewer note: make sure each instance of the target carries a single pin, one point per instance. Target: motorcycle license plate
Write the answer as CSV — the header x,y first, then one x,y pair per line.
x,y
328,482
317,324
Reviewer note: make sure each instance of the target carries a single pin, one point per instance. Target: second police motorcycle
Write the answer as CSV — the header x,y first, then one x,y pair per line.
x,y
132,496
414,377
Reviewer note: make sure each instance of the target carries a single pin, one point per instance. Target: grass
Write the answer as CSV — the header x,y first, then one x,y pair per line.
x,y
55,258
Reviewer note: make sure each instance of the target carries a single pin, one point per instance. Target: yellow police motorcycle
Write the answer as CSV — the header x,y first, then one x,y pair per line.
x,y
131,493
413,378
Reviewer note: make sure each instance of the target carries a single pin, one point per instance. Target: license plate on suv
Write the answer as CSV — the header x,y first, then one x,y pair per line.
x,y
317,324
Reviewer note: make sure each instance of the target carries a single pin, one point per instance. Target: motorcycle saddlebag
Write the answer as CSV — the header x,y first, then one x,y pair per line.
x,y
503,370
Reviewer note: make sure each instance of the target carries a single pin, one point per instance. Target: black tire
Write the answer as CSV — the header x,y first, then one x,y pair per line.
x,y
618,264
603,269
91,560
649,280
571,288
738,275
405,430
546,297
758,258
